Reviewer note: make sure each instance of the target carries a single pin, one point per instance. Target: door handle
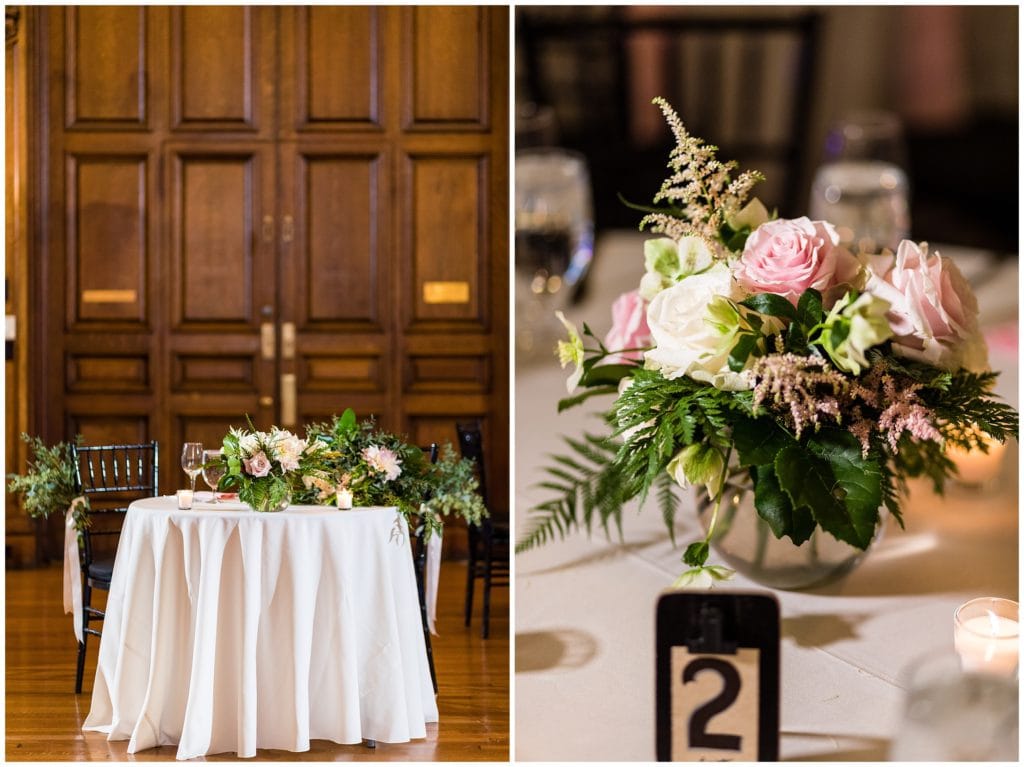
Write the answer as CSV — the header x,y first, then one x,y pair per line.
x,y
287,340
268,230
267,341
287,229
288,394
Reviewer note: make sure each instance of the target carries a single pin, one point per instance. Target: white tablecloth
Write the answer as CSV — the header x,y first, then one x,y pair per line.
x,y
585,607
230,630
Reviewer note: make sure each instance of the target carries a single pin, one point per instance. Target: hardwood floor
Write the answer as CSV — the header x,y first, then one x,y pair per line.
x,y
44,717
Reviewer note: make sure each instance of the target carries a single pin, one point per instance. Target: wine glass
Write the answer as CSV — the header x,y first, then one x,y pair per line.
x,y
554,242
213,470
192,461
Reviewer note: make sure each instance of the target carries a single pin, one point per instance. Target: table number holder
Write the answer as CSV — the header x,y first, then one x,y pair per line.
x,y
717,683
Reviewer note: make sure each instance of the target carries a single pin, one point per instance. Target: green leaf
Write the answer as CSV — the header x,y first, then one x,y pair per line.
x,y
347,422
796,339
606,375
858,477
758,440
741,351
809,310
844,509
696,554
775,508
571,402
771,304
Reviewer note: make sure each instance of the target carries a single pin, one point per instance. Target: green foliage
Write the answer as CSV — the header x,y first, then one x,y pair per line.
x,y
584,481
48,487
423,490
454,488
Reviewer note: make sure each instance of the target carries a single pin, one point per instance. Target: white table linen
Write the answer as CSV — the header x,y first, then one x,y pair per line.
x,y
230,630
585,641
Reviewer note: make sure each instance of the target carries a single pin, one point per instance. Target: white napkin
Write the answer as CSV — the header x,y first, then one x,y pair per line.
x,y
431,577
73,569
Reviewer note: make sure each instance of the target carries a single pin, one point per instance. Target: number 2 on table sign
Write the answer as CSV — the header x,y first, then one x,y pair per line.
x,y
715,705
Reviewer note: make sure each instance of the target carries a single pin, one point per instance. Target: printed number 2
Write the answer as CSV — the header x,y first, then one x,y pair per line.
x,y
699,737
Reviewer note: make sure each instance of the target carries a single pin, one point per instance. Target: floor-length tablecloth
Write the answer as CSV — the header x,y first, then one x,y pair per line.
x,y
229,630
585,640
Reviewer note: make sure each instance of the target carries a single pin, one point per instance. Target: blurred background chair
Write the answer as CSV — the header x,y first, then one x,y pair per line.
x,y
110,477
743,82
765,83
489,541
419,558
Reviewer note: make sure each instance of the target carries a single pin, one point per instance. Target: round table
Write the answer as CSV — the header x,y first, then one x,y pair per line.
x,y
232,630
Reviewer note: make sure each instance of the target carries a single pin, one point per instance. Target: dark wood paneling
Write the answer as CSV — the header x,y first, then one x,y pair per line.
x,y
109,428
446,201
90,372
341,247
281,166
451,373
214,371
106,66
449,67
213,238
341,372
338,67
214,51
206,428
106,239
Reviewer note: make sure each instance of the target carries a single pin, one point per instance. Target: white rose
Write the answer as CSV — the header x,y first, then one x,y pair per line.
x,y
685,342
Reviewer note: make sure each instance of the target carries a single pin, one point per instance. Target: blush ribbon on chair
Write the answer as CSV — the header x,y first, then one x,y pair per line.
x,y
431,578
73,569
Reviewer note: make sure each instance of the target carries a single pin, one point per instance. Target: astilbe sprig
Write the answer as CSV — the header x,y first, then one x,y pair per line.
x,y
700,189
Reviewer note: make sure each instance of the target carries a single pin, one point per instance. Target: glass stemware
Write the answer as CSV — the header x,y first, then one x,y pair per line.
x,y
554,243
213,470
192,461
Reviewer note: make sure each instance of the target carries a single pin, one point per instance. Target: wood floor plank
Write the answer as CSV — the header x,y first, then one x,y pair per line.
x,y
44,717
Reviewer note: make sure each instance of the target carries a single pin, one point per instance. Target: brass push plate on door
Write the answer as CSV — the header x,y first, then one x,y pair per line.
x,y
446,292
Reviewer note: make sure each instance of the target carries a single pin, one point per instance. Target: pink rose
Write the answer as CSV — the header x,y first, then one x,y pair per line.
x,y
789,256
629,327
258,465
933,311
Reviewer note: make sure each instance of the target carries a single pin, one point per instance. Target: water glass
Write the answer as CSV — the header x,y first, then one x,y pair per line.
x,y
554,242
862,186
956,715
213,470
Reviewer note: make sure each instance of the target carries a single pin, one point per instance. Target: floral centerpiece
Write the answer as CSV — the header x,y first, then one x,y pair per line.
x,y
762,351
271,469
263,466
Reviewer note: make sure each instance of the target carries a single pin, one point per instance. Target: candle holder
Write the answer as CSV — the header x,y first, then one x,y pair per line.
x,y
977,469
344,498
185,499
986,633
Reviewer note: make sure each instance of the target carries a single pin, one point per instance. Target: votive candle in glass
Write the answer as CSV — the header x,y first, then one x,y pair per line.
x,y
986,633
344,498
975,467
185,499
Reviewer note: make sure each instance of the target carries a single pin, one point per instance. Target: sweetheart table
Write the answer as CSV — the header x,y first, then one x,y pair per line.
x,y
230,630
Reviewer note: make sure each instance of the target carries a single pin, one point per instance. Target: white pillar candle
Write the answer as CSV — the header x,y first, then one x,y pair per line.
x,y
344,498
184,499
986,633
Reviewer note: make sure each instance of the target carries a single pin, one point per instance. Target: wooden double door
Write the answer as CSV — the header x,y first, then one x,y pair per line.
x,y
274,211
